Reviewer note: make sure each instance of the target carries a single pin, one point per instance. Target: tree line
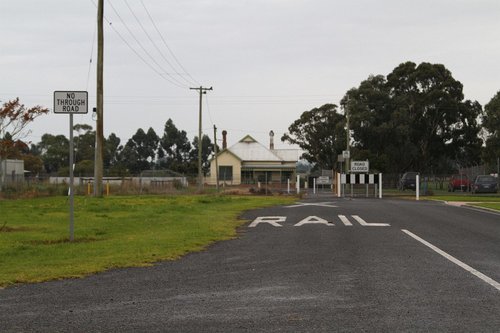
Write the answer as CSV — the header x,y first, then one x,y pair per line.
x,y
415,118
145,150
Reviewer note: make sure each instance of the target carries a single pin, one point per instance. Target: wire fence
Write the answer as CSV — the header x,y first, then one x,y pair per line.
x,y
169,182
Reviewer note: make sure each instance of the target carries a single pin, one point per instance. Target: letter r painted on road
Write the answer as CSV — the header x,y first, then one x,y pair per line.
x,y
272,220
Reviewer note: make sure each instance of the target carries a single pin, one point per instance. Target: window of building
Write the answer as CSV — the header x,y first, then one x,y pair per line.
x,y
265,176
285,175
225,172
247,177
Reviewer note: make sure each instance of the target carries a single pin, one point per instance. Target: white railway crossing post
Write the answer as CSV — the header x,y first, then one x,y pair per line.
x,y
71,102
368,179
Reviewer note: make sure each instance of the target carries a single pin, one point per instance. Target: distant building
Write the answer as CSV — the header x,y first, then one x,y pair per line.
x,y
249,162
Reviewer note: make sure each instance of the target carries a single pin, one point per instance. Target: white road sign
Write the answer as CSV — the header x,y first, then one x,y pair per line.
x,y
323,180
71,102
360,166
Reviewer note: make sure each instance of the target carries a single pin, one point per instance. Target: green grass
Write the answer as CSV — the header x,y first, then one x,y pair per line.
x,y
465,197
112,232
489,205
491,201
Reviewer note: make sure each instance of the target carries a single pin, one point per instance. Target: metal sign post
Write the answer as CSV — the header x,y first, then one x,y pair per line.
x,y
71,102
71,181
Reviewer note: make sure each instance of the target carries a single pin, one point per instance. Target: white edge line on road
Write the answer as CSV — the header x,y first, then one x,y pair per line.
x,y
454,260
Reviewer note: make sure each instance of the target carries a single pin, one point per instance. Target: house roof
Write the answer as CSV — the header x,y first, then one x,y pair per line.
x,y
288,154
248,149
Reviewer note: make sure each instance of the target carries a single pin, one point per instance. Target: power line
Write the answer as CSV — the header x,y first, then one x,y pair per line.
x,y
156,47
173,79
166,45
140,57
137,53
91,55
208,109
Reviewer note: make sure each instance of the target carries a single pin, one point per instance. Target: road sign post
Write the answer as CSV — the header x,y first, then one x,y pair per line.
x,y
71,102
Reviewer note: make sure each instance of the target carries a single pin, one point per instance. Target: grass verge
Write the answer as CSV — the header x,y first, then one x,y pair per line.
x,y
465,198
491,205
112,232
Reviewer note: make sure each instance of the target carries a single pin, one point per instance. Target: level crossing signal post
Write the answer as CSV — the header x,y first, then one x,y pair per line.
x,y
359,179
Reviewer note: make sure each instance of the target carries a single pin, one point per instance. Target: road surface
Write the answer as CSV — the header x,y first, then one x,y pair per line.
x,y
321,265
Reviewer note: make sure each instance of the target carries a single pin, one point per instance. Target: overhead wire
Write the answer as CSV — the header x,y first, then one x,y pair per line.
x,y
156,47
142,58
91,55
138,54
168,48
208,110
171,79
154,44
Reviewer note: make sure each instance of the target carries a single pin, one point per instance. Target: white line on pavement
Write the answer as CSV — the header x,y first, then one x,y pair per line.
x,y
454,260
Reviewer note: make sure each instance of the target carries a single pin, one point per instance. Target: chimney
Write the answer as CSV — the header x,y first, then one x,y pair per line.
x,y
224,139
271,140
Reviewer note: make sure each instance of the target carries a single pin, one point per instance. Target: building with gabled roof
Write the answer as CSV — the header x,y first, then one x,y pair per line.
x,y
250,162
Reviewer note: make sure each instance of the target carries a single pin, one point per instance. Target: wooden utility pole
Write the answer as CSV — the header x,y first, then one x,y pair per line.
x,y
216,164
98,164
200,173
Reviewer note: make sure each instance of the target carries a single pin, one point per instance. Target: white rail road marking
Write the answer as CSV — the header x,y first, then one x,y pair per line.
x,y
314,220
272,220
365,224
276,220
344,220
454,260
319,204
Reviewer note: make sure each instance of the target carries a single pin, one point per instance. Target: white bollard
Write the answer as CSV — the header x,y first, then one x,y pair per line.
x,y
380,186
298,184
288,185
314,185
417,187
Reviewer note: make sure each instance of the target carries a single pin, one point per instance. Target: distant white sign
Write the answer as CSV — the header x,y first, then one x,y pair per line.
x,y
323,180
360,166
71,102
346,154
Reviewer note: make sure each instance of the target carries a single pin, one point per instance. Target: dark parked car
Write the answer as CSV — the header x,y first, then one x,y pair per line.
x,y
409,180
459,182
484,184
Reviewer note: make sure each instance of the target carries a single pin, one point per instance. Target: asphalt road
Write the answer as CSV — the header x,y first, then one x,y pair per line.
x,y
324,265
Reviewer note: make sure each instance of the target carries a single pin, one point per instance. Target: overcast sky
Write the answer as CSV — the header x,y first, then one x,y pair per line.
x,y
267,60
